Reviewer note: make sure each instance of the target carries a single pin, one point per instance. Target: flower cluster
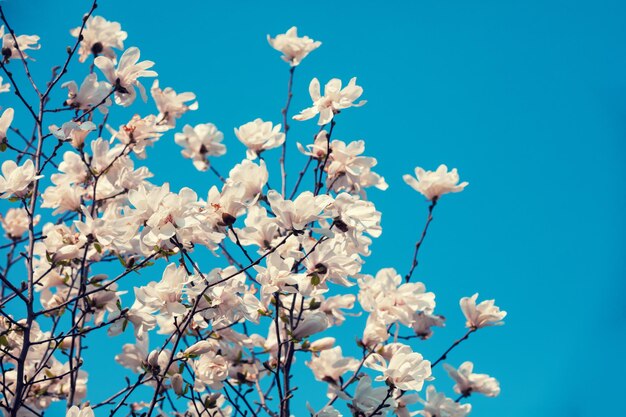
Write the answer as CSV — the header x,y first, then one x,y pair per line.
x,y
107,246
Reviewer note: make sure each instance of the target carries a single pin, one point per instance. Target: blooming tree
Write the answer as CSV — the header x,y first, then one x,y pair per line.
x,y
83,219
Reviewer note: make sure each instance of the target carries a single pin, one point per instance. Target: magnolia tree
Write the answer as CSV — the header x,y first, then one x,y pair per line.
x,y
207,342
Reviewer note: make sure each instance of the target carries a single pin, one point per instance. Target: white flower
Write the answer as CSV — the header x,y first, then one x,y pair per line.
x,y
90,94
100,36
348,171
15,180
434,184
277,276
139,133
15,222
200,142
391,300
310,324
424,321
24,42
332,102
125,77
170,104
74,132
296,214
74,411
468,382
134,355
166,295
294,49
407,370
366,397
438,405
482,315
5,123
211,369
330,364
259,136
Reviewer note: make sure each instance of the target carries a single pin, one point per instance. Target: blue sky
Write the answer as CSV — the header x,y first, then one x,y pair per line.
x,y
526,99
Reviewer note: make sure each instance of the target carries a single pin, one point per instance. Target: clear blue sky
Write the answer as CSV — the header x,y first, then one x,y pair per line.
x,y
526,98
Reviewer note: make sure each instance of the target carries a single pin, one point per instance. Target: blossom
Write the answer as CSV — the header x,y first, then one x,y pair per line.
x,y
310,324
259,136
139,133
424,321
332,102
391,300
294,48
15,46
15,222
99,37
165,295
200,142
125,77
330,364
74,411
15,180
170,104
482,315
91,93
74,132
349,171
438,405
5,122
296,214
211,369
366,397
407,370
434,184
468,382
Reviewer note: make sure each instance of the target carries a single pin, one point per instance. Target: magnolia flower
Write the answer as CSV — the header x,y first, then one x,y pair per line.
x,y
99,37
165,295
139,133
294,49
330,364
332,102
74,411
392,300
15,222
199,143
259,136
481,315
468,382
90,94
134,355
4,88
311,324
5,122
407,370
15,180
366,397
10,46
438,405
74,132
125,77
423,323
434,184
211,369
296,214
170,104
